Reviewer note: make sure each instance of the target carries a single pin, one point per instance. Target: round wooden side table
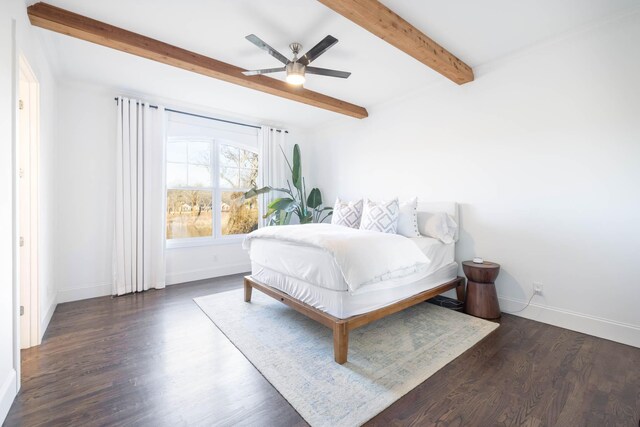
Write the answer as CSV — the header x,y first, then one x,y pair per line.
x,y
482,299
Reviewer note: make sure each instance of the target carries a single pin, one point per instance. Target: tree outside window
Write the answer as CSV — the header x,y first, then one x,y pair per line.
x,y
199,206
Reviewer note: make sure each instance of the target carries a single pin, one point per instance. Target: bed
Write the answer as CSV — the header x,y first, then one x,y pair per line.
x,y
315,281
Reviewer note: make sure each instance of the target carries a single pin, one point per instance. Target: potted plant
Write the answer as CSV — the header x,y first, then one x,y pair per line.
x,y
308,209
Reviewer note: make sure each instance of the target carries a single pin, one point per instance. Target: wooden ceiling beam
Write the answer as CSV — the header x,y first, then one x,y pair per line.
x,y
378,19
65,22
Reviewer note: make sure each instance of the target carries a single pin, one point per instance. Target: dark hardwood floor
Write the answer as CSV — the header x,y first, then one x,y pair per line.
x,y
155,359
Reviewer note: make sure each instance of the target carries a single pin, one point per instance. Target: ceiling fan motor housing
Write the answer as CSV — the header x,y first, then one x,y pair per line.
x,y
295,68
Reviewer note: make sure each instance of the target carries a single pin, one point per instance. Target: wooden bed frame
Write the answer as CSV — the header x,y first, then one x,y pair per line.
x,y
341,327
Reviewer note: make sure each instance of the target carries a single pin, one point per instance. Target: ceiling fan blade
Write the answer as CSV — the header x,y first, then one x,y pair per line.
x,y
318,50
326,72
263,71
262,45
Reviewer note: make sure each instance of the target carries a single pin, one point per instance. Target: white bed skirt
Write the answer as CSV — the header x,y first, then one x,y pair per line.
x,y
343,304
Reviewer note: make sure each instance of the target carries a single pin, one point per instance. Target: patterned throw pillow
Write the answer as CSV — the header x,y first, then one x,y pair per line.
x,y
381,217
347,213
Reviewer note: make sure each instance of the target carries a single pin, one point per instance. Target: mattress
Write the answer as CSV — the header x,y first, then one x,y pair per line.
x,y
343,304
317,267
310,275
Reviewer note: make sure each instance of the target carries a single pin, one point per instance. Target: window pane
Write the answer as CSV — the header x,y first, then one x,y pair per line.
x,y
199,176
229,156
229,177
248,159
238,217
176,175
248,178
189,214
200,153
177,151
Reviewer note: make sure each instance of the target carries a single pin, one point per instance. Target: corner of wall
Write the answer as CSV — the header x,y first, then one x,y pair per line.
x,y
46,318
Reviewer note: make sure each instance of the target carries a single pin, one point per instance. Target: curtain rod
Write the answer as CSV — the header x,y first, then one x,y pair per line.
x,y
210,118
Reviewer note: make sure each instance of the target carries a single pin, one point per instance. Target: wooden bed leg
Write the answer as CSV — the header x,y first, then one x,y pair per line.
x,y
460,294
340,342
247,291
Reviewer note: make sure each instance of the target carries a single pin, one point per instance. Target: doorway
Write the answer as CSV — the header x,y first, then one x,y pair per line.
x,y
28,156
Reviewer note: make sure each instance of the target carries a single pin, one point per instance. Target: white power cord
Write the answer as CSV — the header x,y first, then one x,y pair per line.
x,y
522,309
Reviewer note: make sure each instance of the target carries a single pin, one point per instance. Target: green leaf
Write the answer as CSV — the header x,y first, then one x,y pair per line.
x,y
280,203
292,207
255,191
269,213
285,218
315,199
279,207
283,190
306,219
286,159
296,170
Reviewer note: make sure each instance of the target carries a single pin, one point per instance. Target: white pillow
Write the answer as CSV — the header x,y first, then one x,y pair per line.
x,y
437,225
347,213
408,218
381,216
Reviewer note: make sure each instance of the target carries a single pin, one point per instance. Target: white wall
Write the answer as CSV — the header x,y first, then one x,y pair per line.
x,y
85,180
26,42
203,262
542,152
84,176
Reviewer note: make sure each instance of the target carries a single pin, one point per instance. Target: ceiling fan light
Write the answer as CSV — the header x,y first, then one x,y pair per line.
x,y
295,79
295,73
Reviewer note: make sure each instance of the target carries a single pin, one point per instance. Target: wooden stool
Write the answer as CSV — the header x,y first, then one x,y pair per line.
x,y
482,299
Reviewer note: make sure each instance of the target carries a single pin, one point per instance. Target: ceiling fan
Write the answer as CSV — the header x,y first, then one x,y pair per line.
x,y
296,68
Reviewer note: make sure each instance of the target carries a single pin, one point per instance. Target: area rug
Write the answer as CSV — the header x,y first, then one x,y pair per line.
x,y
387,358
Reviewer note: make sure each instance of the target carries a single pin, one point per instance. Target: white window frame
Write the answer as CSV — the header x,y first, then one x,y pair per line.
x,y
216,189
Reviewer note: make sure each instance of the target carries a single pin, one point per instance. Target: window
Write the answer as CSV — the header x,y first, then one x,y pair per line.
x,y
206,177
238,173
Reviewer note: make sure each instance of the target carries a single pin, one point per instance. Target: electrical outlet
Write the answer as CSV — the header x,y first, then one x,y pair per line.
x,y
537,288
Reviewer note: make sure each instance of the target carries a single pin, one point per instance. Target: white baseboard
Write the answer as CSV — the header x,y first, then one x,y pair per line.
x,y
100,290
8,392
584,323
67,295
207,273
47,317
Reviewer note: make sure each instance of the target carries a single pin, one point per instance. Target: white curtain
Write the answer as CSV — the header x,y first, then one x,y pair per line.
x,y
139,244
272,166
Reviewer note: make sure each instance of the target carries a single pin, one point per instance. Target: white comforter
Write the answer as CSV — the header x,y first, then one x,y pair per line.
x,y
363,257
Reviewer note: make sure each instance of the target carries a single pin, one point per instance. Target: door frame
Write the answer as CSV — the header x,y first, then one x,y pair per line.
x,y
29,104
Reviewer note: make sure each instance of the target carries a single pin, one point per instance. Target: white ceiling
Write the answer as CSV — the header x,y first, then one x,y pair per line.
x,y
477,32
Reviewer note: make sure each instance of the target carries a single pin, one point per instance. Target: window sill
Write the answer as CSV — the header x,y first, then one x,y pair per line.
x,y
205,241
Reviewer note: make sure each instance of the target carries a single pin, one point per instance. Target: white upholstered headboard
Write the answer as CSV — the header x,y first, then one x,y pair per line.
x,y
449,207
